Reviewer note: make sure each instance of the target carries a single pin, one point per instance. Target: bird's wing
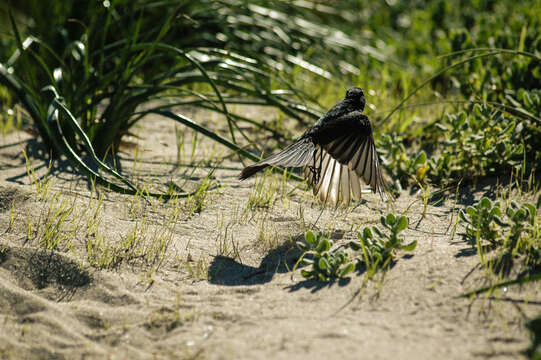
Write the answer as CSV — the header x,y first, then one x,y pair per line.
x,y
295,155
346,153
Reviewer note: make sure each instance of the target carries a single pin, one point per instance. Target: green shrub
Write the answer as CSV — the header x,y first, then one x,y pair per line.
x,y
374,250
514,230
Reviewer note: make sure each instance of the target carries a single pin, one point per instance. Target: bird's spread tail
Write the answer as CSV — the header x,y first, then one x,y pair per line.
x,y
251,170
296,155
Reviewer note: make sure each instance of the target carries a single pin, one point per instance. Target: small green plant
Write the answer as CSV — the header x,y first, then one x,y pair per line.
x,y
53,228
375,249
515,230
198,200
227,244
379,248
41,183
326,265
264,191
482,221
267,233
477,142
139,245
197,269
403,166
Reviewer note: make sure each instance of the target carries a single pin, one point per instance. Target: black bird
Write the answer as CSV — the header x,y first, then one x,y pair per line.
x,y
335,153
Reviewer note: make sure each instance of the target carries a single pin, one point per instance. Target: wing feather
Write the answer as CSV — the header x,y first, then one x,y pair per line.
x,y
355,185
345,184
325,181
323,172
335,183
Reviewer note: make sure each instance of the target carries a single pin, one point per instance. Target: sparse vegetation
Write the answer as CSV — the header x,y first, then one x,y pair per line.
x,y
264,192
513,231
374,250
325,265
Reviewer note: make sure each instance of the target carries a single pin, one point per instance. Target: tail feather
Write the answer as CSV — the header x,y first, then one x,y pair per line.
x,y
296,155
251,170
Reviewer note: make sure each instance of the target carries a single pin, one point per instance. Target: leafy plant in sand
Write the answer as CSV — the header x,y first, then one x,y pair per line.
x,y
325,264
515,230
374,250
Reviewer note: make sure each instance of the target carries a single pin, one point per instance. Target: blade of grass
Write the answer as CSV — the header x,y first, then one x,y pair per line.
x,y
444,70
523,280
131,189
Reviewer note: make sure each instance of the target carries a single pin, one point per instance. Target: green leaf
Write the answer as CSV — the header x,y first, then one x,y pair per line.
x,y
310,238
391,219
420,159
367,234
531,210
307,274
323,263
462,117
346,270
409,247
377,231
520,215
354,245
477,110
472,212
495,211
324,245
485,203
402,223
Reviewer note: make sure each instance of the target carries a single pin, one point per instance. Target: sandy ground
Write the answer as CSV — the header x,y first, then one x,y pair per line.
x,y
220,288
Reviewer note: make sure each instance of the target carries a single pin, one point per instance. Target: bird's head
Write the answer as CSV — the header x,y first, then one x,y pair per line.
x,y
356,95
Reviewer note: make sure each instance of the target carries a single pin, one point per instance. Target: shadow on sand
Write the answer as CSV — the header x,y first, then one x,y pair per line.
x,y
230,272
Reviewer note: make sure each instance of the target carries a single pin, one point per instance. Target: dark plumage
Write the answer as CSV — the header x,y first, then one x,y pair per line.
x,y
335,153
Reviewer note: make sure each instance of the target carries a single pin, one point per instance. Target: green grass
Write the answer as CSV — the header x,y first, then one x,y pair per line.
x,y
64,221
264,192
